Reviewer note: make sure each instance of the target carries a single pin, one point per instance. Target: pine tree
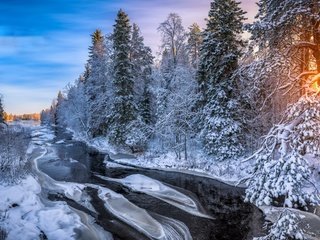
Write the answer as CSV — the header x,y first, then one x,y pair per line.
x,y
95,80
219,55
59,105
286,158
142,60
124,111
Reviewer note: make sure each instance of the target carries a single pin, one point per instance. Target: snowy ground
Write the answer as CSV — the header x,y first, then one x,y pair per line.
x,y
25,216
230,172
24,210
309,223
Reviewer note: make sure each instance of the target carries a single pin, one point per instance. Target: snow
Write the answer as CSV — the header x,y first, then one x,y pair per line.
x,y
308,222
41,135
152,187
229,172
130,213
162,228
26,215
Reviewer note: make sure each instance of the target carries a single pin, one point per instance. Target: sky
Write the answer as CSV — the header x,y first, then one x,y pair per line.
x,y
44,43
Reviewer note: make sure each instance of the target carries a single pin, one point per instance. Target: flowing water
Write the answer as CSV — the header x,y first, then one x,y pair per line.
x,y
137,203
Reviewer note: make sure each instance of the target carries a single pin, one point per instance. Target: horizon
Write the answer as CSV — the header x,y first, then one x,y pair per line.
x,y
46,46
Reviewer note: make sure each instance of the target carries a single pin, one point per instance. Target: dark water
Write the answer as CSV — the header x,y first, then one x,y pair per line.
x,y
233,219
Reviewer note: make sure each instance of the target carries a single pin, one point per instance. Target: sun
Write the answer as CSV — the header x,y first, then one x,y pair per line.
x,y
315,83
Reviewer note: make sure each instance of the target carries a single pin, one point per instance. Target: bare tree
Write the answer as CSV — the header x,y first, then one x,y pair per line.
x,y
173,37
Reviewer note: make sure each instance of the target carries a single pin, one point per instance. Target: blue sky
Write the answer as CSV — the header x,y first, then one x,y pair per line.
x,y
43,43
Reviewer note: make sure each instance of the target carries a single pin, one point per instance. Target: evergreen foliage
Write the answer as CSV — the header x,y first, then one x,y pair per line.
x,y
96,78
284,163
219,56
124,111
142,60
286,227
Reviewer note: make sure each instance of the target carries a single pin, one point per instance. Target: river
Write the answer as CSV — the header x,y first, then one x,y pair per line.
x,y
137,203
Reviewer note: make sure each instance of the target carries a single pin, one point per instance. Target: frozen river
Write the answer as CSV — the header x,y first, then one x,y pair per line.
x,y
134,203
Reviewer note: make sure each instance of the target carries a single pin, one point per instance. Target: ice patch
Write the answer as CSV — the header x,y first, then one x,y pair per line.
x,y
130,213
174,229
155,188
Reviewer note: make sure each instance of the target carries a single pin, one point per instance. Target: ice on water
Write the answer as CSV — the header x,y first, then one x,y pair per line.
x,y
157,189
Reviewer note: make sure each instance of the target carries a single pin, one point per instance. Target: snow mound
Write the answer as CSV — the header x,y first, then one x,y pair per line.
x,y
26,217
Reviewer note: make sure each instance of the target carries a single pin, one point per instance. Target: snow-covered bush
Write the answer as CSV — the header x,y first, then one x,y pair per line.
x,y
282,169
137,135
14,141
285,228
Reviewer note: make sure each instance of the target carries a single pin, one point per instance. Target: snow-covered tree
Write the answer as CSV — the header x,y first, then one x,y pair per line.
x,y
219,56
174,125
125,122
282,172
13,153
174,90
286,227
283,58
96,84
173,39
45,116
73,112
59,109
142,60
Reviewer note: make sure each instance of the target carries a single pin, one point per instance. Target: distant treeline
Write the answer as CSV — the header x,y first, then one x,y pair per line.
x,y
29,116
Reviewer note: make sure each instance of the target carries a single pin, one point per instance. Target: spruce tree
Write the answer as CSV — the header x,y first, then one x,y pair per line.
x,y
95,80
219,55
142,60
124,111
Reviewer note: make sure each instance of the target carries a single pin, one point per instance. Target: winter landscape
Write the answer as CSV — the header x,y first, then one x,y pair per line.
x,y
187,120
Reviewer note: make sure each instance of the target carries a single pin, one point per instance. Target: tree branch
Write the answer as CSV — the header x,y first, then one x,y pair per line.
x,y
310,45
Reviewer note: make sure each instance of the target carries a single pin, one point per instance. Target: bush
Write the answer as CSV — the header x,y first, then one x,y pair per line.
x,y
14,142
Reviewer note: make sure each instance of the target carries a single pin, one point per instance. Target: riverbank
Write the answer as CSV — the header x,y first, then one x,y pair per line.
x,y
230,172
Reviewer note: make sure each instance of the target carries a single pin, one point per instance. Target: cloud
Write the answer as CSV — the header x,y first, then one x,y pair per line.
x,y
44,44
